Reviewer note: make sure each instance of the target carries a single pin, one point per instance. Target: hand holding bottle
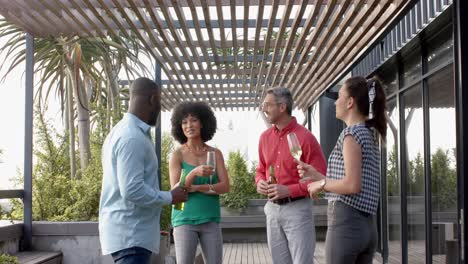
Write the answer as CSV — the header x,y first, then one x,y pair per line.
x,y
179,198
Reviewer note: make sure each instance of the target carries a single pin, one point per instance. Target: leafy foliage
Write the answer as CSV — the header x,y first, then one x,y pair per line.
x,y
166,148
7,259
89,66
444,182
416,176
56,196
392,173
443,179
242,182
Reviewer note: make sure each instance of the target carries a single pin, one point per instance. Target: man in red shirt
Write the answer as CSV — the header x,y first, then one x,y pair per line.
x,y
289,212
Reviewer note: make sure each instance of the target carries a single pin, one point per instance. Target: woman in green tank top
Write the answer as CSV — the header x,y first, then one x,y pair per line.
x,y
193,124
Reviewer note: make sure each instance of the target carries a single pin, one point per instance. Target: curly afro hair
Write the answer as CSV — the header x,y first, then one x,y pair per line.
x,y
202,111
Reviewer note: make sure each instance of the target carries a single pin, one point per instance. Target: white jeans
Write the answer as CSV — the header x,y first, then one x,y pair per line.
x,y
291,232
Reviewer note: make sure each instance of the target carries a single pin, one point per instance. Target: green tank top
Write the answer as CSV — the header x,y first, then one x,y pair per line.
x,y
199,208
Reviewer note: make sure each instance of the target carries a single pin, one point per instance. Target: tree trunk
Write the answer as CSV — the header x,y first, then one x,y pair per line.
x,y
113,88
71,127
82,106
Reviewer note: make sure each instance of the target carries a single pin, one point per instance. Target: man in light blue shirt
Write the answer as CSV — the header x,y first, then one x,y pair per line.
x,y
131,199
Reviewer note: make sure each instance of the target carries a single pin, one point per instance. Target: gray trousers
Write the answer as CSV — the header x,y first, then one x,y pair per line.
x,y
291,232
186,239
351,235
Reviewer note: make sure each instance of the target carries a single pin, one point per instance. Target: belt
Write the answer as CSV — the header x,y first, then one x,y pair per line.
x,y
288,200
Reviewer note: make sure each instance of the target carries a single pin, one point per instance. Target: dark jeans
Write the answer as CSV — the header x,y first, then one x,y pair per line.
x,y
351,235
134,255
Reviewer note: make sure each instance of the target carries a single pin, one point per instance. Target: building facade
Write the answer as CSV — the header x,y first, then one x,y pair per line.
x,y
421,211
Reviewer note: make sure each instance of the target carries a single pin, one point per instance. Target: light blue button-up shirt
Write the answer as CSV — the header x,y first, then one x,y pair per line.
x,y
131,200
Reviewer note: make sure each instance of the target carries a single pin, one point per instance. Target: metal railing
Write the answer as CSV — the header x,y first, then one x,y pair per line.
x,y
11,194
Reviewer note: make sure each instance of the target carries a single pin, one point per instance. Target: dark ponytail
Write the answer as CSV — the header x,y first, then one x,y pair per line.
x,y
379,106
358,88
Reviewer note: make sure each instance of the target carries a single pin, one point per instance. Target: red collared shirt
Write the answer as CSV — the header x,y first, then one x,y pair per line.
x,y
273,150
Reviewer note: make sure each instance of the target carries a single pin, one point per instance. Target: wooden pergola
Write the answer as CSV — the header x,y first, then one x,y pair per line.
x,y
226,53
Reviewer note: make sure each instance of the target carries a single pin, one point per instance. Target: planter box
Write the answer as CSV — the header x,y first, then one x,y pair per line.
x,y
164,250
249,224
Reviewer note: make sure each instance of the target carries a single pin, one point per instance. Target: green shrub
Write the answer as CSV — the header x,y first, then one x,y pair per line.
x,y
242,182
57,197
7,259
166,148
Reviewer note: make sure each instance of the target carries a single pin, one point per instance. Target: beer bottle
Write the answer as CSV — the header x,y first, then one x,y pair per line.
x,y
180,206
272,178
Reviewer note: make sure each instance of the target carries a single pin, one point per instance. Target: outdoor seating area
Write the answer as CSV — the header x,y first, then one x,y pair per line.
x,y
83,56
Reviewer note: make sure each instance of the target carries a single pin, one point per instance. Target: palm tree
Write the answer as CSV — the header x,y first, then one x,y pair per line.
x,y
77,70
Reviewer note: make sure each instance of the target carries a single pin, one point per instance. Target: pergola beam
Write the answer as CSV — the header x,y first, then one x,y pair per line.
x,y
208,48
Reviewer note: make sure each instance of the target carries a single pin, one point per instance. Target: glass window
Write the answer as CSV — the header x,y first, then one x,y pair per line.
x,y
388,78
411,69
443,165
439,50
414,172
393,184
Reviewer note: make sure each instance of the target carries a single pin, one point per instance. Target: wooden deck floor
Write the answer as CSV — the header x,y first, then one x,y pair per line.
x,y
258,253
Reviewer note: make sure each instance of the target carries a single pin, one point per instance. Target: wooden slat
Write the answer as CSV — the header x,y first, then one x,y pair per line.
x,y
321,47
347,58
219,13
303,70
162,48
310,21
11,17
167,99
235,49
191,43
384,13
168,3
104,20
96,29
13,12
60,17
146,42
199,39
323,51
319,29
185,54
245,45
109,24
58,7
265,49
257,37
206,14
279,40
41,16
291,39
226,71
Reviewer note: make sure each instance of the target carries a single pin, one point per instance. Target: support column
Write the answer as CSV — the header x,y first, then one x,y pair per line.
x,y
28,143
330,127
460,20
157,129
